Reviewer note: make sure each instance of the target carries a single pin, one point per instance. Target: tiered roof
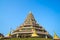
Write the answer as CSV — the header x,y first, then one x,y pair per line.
x,y
31,26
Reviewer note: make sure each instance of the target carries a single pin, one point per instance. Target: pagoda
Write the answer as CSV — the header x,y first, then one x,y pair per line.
x,y
30,28
56,37
1,35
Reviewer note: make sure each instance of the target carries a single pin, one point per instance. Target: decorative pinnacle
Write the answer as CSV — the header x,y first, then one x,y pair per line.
x,y
30,11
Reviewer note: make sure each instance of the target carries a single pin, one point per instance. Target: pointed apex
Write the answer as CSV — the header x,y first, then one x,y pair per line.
x,y
30,19
30,11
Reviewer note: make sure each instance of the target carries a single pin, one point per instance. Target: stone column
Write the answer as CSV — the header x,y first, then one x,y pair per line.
x,y
17,35
46,37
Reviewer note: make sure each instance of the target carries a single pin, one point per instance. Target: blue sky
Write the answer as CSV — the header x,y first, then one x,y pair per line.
x,y
14,12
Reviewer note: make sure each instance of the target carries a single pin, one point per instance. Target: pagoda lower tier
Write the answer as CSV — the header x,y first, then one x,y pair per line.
x,y
29,34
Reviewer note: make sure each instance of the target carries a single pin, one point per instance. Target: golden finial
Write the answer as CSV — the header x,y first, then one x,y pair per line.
x,y
55,36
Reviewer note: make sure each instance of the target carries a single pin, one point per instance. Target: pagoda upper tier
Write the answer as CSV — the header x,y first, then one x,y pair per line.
x,y
30,20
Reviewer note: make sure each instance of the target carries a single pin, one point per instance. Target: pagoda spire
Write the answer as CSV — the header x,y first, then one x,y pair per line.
x,y
30,12
30,19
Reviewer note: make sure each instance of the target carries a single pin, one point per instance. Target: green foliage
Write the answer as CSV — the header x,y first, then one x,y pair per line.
x,y
27,39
